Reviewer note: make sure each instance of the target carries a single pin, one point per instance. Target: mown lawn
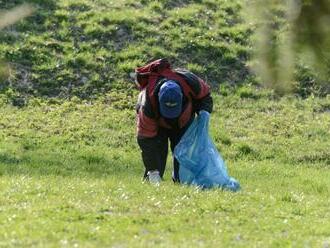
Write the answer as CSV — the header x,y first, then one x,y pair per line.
x,y
70,175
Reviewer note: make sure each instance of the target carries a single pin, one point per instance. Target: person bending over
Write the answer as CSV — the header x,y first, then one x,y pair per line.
x,y
167,104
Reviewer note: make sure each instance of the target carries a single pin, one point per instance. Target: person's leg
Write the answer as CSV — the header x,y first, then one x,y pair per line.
x,y
174,139
154,152
163,151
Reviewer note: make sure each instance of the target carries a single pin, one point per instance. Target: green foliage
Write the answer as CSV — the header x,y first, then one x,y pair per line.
x,y
312,32
291,45
4,71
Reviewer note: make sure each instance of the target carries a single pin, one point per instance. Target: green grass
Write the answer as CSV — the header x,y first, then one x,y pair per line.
x,y
71,176
85,47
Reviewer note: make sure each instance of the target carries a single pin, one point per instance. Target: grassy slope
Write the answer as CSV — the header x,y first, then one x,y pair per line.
x,y
70,174
72,47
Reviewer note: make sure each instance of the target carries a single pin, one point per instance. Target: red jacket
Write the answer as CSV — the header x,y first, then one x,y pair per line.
x,y
149,78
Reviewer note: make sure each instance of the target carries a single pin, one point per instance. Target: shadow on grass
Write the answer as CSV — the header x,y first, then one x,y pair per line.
x,y
231,69
34,45
71,165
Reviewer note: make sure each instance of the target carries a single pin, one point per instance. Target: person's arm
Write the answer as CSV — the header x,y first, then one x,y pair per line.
x,y
154,153
147,136
206,103
147,125
152,144
202,99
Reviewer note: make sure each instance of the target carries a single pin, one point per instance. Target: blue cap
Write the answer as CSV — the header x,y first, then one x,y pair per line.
x,y
170,99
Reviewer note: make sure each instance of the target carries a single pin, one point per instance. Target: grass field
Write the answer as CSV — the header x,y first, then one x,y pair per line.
x,y
70,168
71,177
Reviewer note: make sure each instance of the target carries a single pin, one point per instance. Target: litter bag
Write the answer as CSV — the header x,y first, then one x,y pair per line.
x,y
200,162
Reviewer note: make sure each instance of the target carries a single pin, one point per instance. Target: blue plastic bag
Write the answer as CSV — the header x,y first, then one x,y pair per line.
x,y
200,162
